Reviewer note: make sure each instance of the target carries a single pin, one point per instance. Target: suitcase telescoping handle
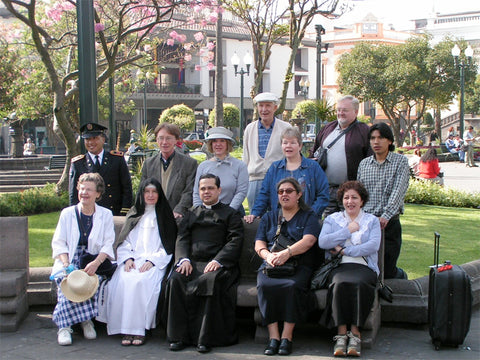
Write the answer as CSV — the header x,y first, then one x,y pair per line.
x,y
436,249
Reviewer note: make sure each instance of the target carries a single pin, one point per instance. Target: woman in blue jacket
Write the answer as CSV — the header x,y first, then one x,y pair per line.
x,y
307,172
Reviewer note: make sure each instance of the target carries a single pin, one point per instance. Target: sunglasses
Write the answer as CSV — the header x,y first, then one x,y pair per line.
x,y
287,191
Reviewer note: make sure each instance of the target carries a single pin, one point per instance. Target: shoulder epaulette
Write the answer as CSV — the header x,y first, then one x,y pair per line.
x,y
78,157
116,152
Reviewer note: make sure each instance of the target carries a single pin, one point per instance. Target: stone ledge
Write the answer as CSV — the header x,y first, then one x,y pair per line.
x,y
13,282
410,304
13,304
410,297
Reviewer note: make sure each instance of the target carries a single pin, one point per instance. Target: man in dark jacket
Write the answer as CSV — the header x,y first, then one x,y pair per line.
x,y
110,165
347,152
175,171
201,291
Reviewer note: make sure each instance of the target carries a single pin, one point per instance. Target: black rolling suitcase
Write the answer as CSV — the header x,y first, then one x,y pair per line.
x,y
449,302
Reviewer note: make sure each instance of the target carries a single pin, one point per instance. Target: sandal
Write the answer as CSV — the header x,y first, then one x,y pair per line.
x,y
127,340
138,340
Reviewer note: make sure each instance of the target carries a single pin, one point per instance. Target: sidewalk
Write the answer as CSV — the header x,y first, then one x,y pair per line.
x,y
460,177
36,339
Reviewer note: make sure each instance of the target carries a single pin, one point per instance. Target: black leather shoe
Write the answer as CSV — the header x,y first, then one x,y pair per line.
x,y
203,348
285,347
272,347
177,346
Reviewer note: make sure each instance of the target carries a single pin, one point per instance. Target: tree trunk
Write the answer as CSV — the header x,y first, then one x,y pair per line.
x,y
438,123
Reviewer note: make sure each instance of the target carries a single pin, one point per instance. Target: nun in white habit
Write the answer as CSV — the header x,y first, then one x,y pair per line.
x,y
147,242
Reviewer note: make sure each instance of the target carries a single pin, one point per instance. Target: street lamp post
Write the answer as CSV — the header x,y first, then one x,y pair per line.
x,y
320,50
462,65
304,85
145,84
247,60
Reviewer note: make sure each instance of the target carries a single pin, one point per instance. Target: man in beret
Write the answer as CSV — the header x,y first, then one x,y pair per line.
x,y
110,165
261,143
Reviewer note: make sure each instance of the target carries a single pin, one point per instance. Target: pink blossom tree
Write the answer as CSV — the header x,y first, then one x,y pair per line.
x,y
127,34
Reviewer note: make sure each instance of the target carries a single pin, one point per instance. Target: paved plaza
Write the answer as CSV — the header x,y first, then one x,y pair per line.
x,y
36,339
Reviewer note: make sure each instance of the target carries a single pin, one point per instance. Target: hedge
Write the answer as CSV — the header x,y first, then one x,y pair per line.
x,y
32,201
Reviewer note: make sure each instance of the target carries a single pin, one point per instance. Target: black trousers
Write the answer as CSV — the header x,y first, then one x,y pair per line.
x,y
393,244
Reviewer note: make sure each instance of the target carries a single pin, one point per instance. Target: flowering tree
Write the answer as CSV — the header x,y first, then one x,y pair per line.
x,y
127,35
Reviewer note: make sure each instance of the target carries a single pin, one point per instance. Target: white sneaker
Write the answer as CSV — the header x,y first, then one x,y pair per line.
x,y
64,336
354,345
340,348
89,332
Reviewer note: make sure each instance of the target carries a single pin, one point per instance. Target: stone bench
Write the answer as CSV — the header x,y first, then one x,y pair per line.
x,y
247,291
13,272
410,303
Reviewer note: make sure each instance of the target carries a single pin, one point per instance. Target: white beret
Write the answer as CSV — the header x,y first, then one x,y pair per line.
x,y
266,97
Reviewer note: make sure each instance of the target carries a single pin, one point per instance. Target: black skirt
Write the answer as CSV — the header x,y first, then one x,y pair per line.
x,y
350,295
284,299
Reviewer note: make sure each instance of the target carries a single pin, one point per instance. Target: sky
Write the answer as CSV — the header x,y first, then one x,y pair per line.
x,y
399,12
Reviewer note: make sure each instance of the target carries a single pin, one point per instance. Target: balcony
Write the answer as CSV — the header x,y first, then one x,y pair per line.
x,y
161,96
172,88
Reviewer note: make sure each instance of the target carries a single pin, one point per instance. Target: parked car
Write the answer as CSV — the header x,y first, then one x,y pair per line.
x,y
189,136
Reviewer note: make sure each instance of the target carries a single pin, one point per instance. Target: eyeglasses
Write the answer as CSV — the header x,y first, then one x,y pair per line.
x,y
166,138
287,191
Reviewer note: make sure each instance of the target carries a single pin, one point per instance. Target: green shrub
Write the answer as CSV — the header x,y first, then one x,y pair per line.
x,y
430,193
231,116
180,115
32,201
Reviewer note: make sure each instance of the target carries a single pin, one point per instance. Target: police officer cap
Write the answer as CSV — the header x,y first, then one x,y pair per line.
x,y
90,130
266,97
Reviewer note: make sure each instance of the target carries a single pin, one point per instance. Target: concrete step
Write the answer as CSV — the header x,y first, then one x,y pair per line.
x,y
19,180
29,180
42,293
30,172
17,188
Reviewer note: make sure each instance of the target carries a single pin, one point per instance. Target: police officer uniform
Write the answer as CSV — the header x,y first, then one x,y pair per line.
x,y
113,169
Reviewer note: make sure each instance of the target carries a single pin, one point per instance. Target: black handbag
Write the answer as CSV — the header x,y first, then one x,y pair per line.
x,y
321,153
320,276
281,242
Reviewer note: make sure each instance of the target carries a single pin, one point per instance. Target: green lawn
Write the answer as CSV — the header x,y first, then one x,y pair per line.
x,y
459,237
458,228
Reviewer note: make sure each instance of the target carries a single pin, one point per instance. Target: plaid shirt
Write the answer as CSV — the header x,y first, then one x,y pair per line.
x,y
386,184
264,137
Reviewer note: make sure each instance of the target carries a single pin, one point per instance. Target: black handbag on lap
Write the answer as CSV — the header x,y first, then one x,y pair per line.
x,y
320,276
281,242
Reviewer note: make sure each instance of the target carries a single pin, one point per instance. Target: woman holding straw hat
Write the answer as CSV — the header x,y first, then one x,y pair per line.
x,y
232,172
84,231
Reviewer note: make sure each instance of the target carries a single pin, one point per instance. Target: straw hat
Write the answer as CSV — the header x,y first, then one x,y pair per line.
x,y
220,132
78,286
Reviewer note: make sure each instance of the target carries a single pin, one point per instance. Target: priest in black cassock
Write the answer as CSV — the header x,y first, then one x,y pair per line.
x,y
201,292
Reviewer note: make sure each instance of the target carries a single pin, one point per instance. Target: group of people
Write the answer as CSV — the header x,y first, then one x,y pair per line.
x,y
463,147
179,262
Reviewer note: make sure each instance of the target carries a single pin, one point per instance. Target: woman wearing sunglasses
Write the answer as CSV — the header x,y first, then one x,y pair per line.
x,y
285,299
307,172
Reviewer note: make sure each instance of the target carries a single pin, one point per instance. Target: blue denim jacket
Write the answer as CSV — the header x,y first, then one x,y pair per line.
x,y
310,176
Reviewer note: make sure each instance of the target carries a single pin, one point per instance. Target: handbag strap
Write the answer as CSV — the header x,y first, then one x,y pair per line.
x,y
341,134
280,222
